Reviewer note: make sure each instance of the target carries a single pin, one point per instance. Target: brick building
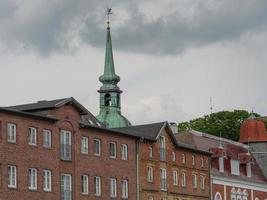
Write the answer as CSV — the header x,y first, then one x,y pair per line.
x,y
169,169
54,149
235,173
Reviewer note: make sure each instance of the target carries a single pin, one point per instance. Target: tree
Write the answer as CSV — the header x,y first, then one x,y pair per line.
x,y
224,123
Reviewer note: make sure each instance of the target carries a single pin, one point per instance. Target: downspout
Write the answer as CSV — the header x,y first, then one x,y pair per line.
x,y
137,170
211,181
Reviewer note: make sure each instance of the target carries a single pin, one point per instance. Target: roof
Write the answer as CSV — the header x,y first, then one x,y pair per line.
x,y
45,104
205,142
152,132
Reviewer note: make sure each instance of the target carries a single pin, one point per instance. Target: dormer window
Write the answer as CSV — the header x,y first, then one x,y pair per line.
x,y
235,167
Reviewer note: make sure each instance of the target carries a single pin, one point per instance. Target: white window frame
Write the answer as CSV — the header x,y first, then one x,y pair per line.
x,y
193,160
97,147
12,176
66,144
112,150
47,180
150,176
235,167
11,133
97,183
47,138
113,187
125,189
194,177
183,179
66,187
163,177
173,156
175,177
221,164
85,184
32,180
248,170
183,158
202,182
32,136
124,152
84,145
150,151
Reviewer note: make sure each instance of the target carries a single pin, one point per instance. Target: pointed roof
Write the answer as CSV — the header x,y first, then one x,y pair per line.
x,y
109,75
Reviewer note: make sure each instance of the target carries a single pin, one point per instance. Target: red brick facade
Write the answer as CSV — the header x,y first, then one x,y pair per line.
x,y
24,156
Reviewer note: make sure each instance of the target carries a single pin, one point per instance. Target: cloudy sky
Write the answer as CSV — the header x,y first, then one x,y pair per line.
x,y
172,55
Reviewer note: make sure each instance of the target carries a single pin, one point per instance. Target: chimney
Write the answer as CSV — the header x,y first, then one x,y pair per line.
x,y
174,127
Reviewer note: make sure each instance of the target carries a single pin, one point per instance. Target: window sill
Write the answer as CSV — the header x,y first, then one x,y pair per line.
x,y
12,187
33,189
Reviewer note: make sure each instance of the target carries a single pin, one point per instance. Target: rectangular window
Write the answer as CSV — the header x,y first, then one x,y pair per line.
x,y
112,150
65,143
235,167
202,182
12,176
97,147
84,145
173,156
202,161
150,150
32,178
150,174
124,152
221,164
32,136
11,133
47,137
194,181
163,179
66,187
175,178
183,158
85,184
113,187
125,189
193,160
97,182
248,169
162,150
47,180
183,179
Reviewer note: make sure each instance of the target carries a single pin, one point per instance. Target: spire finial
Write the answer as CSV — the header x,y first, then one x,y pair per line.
x,y
109,12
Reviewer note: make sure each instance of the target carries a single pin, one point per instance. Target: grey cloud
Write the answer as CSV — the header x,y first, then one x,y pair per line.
x,y
44,26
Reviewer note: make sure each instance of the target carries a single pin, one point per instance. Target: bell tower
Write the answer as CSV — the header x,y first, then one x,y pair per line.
x,y
110,100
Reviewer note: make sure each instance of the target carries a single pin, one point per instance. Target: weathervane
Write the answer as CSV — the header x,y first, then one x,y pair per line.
x,y
109,12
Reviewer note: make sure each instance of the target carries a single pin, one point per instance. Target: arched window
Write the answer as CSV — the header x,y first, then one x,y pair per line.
x,y
183,179
233,194
218,196
245,195
107,99
239,194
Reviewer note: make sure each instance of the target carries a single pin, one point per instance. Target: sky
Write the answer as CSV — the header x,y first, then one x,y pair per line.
x,y
172,56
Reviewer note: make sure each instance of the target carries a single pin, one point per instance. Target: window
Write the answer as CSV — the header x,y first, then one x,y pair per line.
x,y
175,178
113,187
183,158
150,174
163,198
221,164
183,179
248,169
150,198
202,161
12,176
233,194
65,142
218,196
163,179
47,138
202,182
125,189
162,151
112,150
85,184
193,160
150,150
124,152
47,180
66,187
32,179
173,156
84,145
97,182
11,133
235,167
97,147
194,181
32,136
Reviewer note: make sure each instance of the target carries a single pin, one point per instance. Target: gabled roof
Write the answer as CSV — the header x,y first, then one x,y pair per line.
x,y
45,104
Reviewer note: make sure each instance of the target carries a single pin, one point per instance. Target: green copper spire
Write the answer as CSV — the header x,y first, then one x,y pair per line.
x,y
110,104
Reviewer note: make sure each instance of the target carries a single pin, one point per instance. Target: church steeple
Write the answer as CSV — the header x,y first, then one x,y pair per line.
x,y
110,105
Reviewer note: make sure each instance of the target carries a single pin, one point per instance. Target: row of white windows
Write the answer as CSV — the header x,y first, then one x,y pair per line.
x,y
66,186
162,146
97,148
65,142
163,178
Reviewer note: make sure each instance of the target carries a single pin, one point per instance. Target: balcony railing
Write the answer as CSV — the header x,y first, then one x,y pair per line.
x,y
162,154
